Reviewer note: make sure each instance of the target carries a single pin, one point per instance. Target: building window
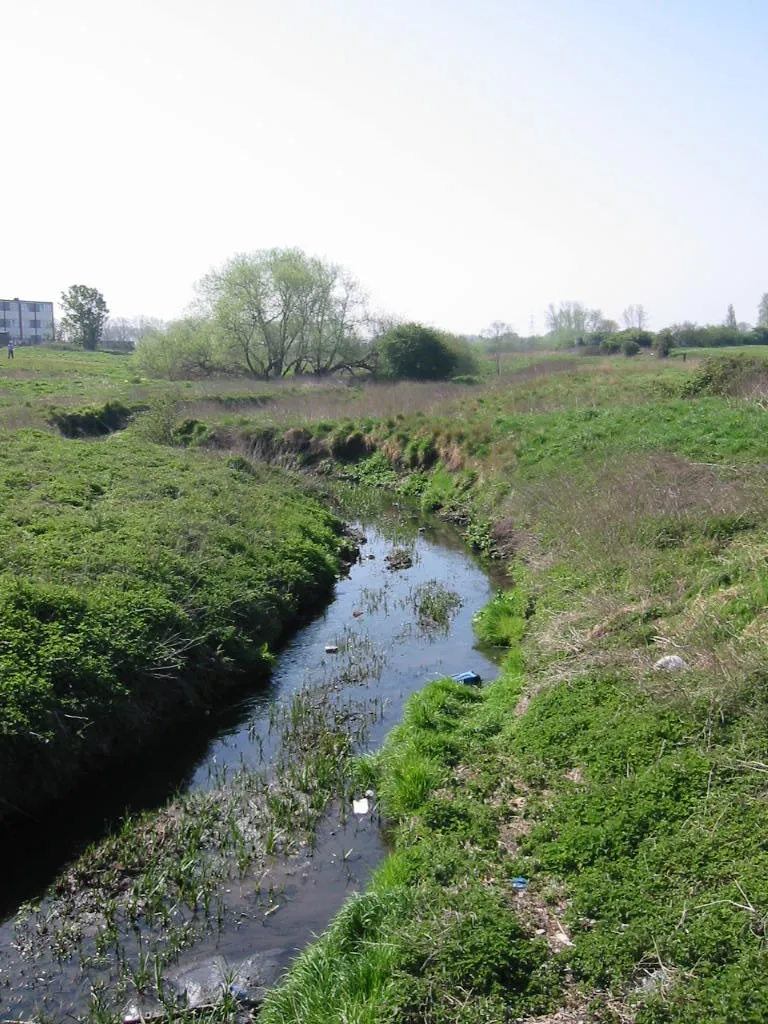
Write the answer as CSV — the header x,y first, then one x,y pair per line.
x,y
4,305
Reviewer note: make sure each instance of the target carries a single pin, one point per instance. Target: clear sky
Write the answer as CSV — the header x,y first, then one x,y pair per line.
x,y
468,160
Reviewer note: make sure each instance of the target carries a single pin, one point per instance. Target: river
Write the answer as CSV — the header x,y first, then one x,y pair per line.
x,y
373,615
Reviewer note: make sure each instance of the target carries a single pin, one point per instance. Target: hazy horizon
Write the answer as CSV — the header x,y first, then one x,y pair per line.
x,y
467,163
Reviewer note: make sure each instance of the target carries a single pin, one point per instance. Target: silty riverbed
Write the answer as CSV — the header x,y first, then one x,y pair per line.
x,y
235,888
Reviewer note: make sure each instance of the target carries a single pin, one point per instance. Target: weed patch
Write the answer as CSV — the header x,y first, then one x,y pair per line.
x,y
436,935
128,571
92,422
727,375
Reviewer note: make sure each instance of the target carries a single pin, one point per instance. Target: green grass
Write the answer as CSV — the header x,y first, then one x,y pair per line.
x,y
633,801
707,353
711,429
435,938
661,849
136,578
501,623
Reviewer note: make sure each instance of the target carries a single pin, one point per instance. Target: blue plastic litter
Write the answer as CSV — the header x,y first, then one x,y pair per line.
x,y
519,883
470,678
239,993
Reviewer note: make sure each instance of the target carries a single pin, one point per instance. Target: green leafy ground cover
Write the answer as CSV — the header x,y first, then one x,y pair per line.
x,y
41,384
135,579
632,800
632,507
652,859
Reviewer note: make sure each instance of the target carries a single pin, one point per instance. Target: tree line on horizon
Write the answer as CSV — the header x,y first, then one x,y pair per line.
x,y
573,325
275,313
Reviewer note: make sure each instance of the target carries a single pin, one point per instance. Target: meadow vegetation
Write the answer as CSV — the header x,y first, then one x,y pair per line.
x,y
612,810
138,581
584,837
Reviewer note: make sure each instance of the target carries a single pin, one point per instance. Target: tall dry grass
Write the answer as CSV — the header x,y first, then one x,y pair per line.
x,y
642,570
315,402
609,512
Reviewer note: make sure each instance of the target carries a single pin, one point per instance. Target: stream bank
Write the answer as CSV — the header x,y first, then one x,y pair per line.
x,y
139,584
262,846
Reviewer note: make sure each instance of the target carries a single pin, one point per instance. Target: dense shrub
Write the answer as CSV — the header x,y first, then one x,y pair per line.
x,y
726,375
465,359
415,352
92,422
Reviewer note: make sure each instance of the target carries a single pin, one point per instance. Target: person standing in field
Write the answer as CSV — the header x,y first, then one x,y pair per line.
x,y
10,350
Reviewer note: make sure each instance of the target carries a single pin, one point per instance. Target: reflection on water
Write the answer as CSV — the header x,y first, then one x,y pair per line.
x,y
372,608
389,651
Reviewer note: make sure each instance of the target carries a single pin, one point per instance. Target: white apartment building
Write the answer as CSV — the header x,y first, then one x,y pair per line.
x,y
25,323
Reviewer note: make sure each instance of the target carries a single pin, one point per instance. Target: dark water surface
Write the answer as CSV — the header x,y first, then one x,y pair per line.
x,y
346,851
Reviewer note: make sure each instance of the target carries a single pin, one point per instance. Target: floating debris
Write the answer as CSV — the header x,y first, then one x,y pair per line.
x,y
361,806
470,678
331,648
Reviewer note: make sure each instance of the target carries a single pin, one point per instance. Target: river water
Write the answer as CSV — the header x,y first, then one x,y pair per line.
x,y
373,610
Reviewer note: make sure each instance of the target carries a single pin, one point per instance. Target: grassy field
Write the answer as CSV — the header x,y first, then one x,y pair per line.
x,y
137,581
760,351
600,821
585,838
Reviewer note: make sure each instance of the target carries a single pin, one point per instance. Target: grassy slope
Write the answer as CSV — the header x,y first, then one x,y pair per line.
x,y
134,580
633,800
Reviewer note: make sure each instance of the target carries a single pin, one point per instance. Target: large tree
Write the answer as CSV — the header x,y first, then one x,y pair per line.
x,y
762,311
280,311
85,314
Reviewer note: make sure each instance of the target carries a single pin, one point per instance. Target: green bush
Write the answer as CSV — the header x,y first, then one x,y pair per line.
x,y
93,422
725,375
415,352
375,471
